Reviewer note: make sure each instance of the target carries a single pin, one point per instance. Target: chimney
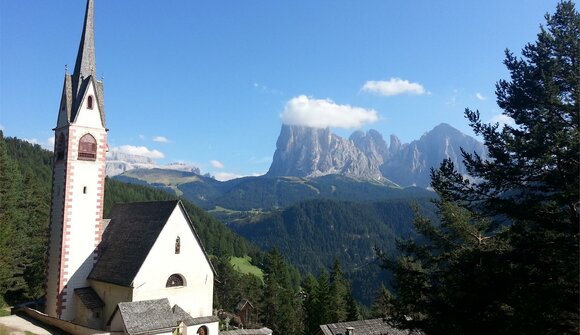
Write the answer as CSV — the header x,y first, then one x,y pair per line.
x,y
349,330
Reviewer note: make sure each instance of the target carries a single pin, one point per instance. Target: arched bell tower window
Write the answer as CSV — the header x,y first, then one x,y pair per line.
x,y
175,280
60,147
90,102
88,148
177,245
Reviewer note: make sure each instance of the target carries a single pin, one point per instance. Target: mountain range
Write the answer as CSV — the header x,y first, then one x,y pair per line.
x,y
119,162
312,163
308,153
313,152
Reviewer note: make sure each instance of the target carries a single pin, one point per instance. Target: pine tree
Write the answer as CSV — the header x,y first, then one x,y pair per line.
x,y
383,304
12,243
338,292
311,305
504,258
280,305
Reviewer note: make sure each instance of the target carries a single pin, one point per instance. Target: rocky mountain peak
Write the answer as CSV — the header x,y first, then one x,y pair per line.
x,y
311,152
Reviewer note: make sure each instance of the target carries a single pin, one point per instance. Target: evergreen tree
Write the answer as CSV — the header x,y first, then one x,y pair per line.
x,y
383,305
338,293
311,305
11,258
280,306
352,308
323,297
504,258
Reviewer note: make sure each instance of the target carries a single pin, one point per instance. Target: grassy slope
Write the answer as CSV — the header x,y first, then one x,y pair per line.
x,y
244,265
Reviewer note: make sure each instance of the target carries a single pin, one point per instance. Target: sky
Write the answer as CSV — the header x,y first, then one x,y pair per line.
x,y
210,83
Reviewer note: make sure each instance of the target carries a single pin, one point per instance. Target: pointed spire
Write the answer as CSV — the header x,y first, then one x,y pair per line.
x,y
86,64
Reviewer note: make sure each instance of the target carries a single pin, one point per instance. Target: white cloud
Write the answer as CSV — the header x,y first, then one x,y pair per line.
x,y
225,176
31,140
48,144
394,86
216,164
266,89
1,127
479,96
503,120
139,151
322,113
161,139
142,137
453,99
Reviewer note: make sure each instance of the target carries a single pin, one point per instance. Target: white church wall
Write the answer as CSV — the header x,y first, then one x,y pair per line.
x,y
111,295
55,241
196,297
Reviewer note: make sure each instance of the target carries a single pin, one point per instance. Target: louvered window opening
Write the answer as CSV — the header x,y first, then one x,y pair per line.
x,y
88,148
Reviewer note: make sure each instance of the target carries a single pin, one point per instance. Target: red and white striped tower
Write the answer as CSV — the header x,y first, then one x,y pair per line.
x,y
78,180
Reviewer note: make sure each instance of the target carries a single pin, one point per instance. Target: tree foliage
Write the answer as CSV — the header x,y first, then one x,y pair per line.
x,y
504,258
280,305
327,299
24,214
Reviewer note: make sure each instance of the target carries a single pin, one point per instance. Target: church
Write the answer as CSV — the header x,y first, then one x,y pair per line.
x,y
144,270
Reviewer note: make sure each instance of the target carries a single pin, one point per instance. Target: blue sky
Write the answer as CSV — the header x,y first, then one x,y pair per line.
x,y
210,82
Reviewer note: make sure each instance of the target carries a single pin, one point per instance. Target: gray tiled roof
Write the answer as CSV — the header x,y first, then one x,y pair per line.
x,y
67,97
147,315
152,316
86,61
89,297
101,100
365,327
261,331
126,242
183,316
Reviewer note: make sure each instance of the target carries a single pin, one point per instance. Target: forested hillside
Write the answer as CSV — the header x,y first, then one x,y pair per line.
x,y
266,192
313,234
25,174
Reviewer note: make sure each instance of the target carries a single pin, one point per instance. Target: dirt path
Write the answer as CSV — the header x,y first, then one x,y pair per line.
x,y
22,325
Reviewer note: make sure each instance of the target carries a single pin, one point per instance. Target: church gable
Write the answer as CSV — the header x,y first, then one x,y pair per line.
x,y
89,113
177,267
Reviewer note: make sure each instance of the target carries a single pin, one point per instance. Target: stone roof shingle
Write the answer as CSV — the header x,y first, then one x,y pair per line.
x,y
154,316
146,316
261,331
89,297
365,327
126,242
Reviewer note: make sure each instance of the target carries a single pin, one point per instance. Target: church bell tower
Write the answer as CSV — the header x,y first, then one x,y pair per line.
x,y
78,179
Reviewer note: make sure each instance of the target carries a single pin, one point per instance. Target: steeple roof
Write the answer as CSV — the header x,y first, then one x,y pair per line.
x,y
86,64
84,72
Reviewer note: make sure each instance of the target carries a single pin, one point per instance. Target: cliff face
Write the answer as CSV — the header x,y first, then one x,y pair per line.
x,y
410,164
312,152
